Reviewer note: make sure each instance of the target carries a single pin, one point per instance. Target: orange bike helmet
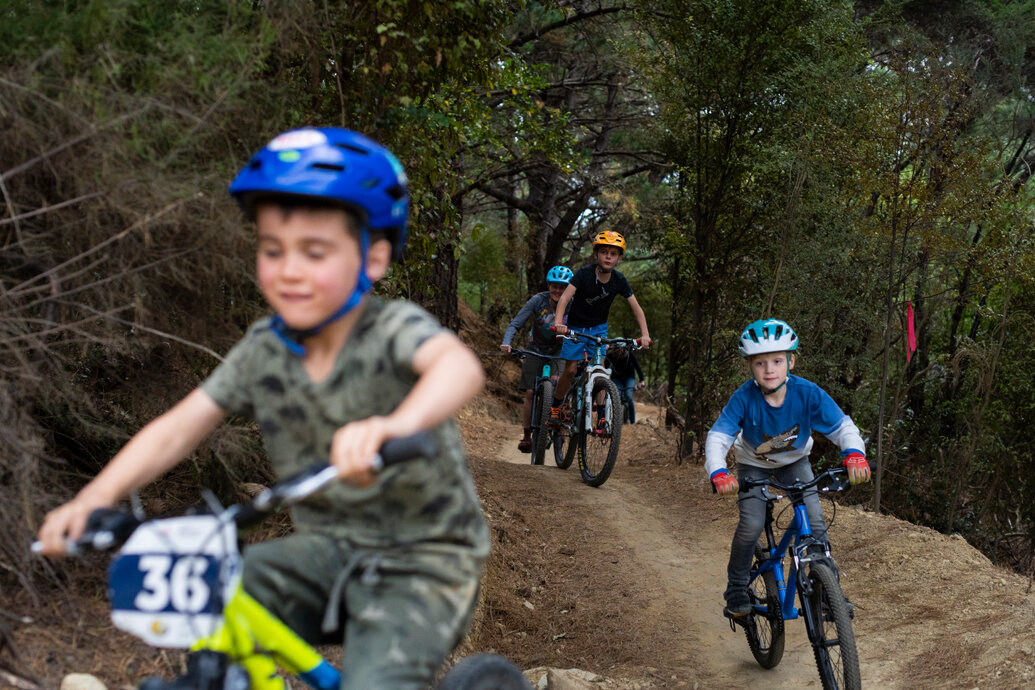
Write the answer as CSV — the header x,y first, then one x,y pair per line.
x,y
611,239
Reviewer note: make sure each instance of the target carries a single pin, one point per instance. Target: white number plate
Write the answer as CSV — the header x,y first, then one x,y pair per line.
x,y
170,581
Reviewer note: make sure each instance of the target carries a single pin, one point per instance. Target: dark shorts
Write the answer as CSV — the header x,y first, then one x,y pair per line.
x,y
531,367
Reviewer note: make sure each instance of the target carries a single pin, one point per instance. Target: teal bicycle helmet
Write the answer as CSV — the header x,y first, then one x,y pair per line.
x,y
559,274
769,335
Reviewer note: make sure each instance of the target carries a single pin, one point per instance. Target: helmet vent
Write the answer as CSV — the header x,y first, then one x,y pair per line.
x,y
328,166
396,192
371,182
255,165
354,149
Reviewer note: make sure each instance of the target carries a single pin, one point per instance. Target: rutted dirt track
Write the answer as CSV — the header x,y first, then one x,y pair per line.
x,y
931,610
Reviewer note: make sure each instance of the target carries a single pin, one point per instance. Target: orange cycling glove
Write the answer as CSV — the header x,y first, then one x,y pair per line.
x,y
725,483
858,468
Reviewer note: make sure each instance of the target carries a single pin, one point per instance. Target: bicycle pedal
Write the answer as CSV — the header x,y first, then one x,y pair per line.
x,y
737,620
736,617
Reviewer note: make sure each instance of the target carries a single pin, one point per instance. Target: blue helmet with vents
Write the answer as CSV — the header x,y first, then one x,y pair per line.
x,y
768,335
332,165
559,274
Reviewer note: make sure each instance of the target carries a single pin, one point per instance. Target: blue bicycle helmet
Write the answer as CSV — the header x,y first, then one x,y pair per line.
x,y
336,166
559,274
769,335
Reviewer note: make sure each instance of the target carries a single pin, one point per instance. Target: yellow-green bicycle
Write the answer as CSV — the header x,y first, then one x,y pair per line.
x,y
175,580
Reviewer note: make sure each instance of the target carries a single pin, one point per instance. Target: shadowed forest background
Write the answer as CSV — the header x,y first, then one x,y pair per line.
x,y
826,163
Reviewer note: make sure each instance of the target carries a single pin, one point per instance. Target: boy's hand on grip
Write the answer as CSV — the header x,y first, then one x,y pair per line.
x,y
858,468
725,483
354,446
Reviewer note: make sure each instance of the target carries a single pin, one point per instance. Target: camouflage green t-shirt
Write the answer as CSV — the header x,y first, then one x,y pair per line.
x,y
425,500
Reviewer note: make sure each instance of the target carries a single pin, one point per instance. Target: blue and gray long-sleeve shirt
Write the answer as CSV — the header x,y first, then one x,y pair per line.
x,y
767,436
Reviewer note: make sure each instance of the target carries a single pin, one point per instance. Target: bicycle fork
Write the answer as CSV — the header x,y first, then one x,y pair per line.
x,y
589,404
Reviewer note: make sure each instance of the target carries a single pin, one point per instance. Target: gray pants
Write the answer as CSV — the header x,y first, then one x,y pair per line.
x,y
752,520
402,613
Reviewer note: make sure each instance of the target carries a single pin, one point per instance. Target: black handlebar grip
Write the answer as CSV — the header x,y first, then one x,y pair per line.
x,y
117,523
423,444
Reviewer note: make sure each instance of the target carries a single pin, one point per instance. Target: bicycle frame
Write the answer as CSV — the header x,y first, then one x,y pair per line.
x,y
800,532
594,370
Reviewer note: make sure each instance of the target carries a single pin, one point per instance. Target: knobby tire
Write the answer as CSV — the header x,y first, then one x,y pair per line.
x,y
598,452
565,438
541,415
484,672
563,453
764,631
830,631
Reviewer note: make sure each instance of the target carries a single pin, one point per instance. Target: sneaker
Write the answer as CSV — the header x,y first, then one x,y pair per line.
x,y
525,445
737,609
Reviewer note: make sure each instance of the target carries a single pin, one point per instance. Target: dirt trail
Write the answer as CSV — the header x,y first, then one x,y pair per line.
x,y
684,575
674,538
626,581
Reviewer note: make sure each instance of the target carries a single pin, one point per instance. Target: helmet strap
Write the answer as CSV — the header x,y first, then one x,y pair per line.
x,y
293,337
770,391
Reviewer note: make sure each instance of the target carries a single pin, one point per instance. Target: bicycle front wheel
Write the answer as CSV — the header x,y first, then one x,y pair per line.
x,y
764,628
541,416
830,630
598,449
484,672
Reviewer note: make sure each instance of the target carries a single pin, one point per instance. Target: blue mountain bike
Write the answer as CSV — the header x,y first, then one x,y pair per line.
x,y
811,574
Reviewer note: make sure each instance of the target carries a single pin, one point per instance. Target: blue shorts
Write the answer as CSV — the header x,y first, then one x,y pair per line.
x,y
572,350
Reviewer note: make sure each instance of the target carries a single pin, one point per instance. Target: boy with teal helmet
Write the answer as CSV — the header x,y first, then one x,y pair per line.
x,y
768,422
330,376
540,311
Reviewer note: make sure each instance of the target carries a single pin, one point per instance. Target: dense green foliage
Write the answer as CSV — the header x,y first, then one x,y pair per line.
x,y
826,163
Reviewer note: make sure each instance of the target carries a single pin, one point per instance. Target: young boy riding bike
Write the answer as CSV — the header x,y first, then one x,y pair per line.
x,y
330,377
592,290
540,309
768,422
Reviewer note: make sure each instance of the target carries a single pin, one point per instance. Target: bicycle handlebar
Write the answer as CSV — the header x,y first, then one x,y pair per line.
x,y
768,482
108,528
521,354
633,343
